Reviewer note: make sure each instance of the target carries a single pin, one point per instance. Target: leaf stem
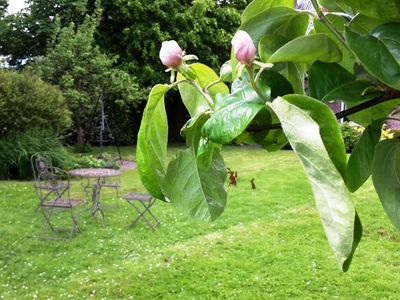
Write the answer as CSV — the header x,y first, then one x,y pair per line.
x,y
208,86
329,25
176,83
204,92
254,83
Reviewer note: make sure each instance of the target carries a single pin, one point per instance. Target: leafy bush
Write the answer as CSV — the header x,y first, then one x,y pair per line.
x,y
351,134
17,149
26,102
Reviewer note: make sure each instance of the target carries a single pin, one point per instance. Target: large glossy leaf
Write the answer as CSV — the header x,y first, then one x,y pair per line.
x,y
257,7
276,20
352,92
339,23
328,127
386,177
151,151
360,162
324,77
389,34
375,57
382,9
192,98
236,112
308,49
337,212
196,190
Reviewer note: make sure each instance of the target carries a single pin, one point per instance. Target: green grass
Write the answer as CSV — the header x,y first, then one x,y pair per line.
x,y
268,243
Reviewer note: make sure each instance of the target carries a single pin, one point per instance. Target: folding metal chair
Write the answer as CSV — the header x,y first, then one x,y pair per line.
x,y
143,209
41,164
53,189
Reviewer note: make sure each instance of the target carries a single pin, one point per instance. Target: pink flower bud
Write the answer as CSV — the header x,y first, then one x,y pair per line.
x,y
171,54
243,47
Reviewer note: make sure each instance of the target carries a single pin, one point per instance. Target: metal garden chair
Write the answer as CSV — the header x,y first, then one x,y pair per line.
x,y
53,189
42,164
142,204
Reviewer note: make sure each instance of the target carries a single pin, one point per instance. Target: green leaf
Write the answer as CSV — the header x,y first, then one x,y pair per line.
x,y
191,97
352,92
293,73
375,57
371,114
360,162
338,22
192,130
335,5
382,9
226,72
363,24
273,139
235,113
324,77
328,127
307,49
268,44
279,84
386,177
337,212
151,151
389,34
257,7
194,190
276,20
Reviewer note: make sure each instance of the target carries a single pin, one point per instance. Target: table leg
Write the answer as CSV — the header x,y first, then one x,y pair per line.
x,y
96,200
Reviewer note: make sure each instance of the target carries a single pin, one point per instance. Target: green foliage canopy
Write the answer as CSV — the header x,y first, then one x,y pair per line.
x,y
135,29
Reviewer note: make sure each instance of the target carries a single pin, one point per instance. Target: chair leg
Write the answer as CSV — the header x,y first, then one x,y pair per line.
x,y
142,215
48,213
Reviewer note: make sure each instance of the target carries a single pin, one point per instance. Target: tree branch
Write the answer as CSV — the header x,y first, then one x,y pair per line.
x,y
389,95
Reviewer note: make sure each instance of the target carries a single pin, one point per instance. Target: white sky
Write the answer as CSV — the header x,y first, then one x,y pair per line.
x,y
15,6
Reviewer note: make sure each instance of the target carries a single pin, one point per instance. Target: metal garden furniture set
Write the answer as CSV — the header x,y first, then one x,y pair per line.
x,y
53,188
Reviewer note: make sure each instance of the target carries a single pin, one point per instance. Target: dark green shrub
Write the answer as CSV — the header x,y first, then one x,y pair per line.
x,y
27,103
350,136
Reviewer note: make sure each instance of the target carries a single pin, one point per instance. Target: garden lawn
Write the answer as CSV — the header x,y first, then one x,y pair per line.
x,y
269,243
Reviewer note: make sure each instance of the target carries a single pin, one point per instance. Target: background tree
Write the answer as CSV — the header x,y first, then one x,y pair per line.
x,y
25,35
135,29
85,75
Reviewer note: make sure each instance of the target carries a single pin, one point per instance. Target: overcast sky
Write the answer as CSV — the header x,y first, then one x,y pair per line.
x,y
15,6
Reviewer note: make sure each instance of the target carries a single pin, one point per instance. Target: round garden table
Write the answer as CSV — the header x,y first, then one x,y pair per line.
x,y
98,174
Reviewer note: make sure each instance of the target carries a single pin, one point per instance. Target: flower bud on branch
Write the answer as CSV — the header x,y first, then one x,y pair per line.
x,y
171,55
243,47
